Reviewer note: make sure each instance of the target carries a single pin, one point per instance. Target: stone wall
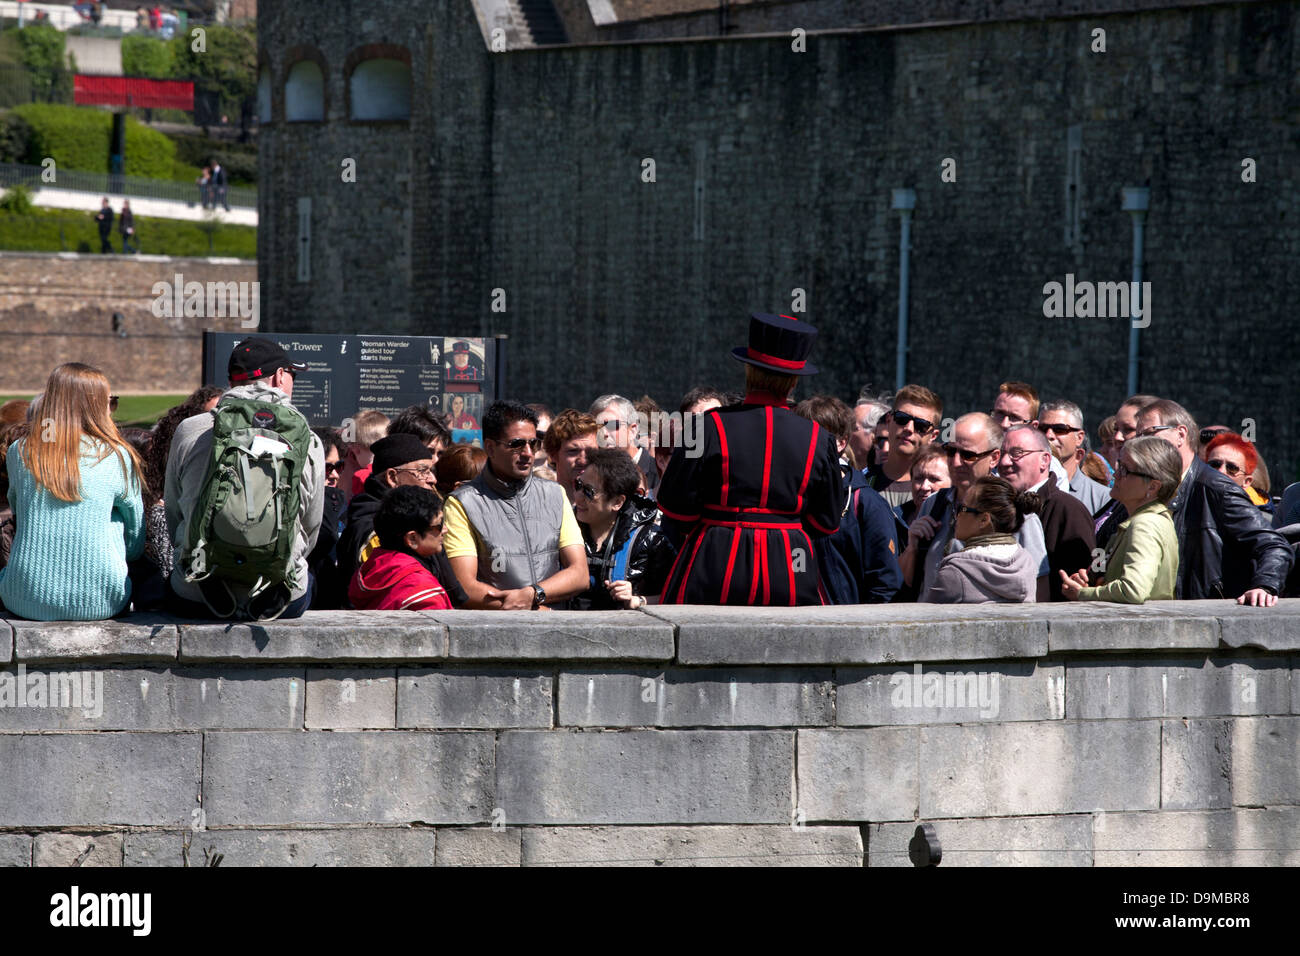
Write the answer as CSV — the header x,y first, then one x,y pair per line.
x,y
1094,735
522,172
58,307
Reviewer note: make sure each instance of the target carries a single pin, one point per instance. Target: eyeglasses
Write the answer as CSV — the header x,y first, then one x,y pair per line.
x,y
1209,434
1148,432
333,466
1231,467
435,528
424,471
515,444
969,457
1057,428
921,425
1007,417
1122,471
112,402
587,490
966,510
1015,454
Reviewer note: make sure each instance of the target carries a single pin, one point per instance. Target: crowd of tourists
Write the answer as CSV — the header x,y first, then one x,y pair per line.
x,y
232,506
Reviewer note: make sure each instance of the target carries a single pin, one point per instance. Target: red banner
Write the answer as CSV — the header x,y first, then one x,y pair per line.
x,y
132,91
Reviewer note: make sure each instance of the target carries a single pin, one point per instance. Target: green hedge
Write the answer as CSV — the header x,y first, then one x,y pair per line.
x,y
78,138
39,231
240,159
147,56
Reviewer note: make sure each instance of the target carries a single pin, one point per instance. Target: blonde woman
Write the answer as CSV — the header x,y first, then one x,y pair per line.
x,y
74,485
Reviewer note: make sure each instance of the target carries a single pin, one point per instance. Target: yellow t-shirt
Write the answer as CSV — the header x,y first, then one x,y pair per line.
x,y
459,540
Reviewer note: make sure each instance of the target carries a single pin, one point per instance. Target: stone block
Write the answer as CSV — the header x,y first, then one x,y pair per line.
x,y
1156,625
1195,764
693,846
326,636
648,777
351,698
949,693
855,634
1265,764
1177,687
1272,629
285,778
1239,837
696,697
15,849
78,849
479,846
370,846
999,841
194,698
555,636
858,775
6,640
1049,767
141,638
103,779
487,698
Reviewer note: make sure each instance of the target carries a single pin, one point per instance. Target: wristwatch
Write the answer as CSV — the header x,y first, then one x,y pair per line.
x,y
539,596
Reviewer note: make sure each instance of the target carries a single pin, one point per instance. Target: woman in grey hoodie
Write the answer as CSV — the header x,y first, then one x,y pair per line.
x,y
992,567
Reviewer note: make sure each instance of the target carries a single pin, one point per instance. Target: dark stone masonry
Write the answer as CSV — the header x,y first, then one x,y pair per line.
x,y
522,171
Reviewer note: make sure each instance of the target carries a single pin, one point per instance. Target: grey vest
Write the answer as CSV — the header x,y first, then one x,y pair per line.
x,y
516,527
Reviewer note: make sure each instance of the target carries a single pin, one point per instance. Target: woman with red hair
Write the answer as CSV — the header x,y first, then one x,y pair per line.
x,y
1236,458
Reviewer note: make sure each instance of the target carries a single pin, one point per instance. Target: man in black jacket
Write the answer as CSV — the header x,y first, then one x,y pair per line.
x,y
399,460
1226,548
105,219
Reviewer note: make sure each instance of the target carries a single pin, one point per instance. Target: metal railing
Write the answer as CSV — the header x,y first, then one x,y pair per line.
x,y
132,187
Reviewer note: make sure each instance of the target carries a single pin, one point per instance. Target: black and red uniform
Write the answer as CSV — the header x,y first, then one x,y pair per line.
x,y
763,485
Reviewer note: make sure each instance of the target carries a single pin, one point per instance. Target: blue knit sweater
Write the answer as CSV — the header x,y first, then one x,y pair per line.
x,y
69,558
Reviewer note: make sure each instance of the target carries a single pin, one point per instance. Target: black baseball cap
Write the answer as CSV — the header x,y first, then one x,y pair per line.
x,y
257,357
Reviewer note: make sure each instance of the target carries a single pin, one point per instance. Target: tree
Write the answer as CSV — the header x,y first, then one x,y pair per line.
x,y
228,62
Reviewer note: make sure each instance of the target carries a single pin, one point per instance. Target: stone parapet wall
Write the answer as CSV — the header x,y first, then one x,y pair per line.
x,y
1093,735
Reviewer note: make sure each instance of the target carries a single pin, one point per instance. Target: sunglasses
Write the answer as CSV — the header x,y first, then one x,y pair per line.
x,y
435,528
1154,429
969,457
587,490
333,466
1057,428
1121,471
1232,468
967,510
112,402
1007,417
515,444
1209,434
921,425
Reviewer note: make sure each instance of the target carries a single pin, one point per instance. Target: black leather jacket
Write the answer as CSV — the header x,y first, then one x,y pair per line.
x,y
648,564
1225,544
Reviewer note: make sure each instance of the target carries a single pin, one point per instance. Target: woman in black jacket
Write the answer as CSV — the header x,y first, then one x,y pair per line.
x,y
628,556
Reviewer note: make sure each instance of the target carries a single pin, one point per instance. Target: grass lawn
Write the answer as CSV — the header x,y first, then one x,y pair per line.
x,y
134,410
68,231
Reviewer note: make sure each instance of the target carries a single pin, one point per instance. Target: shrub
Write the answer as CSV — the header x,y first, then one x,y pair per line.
x,y
78,138
15,134
17,200
239,159
146,56
43,53
229,62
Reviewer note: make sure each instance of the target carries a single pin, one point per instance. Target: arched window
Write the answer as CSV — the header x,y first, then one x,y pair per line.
x,y
264,95
304,93
380,89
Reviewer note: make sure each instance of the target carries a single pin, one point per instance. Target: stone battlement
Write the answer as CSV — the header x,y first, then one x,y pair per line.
x,y
1063,734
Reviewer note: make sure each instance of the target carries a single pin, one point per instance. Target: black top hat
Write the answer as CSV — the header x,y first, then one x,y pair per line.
x,y
258,357
778,343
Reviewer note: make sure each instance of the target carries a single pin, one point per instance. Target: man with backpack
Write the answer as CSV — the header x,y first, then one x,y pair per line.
x,y
244,494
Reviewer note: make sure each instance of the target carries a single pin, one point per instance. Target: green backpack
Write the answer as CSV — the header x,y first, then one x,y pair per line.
x,y
245,522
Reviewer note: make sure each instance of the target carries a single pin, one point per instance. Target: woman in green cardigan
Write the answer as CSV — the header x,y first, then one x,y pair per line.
x,y
1142,557
74,485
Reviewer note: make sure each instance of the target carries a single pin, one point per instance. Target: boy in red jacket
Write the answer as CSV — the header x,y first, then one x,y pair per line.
x,y
409,526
